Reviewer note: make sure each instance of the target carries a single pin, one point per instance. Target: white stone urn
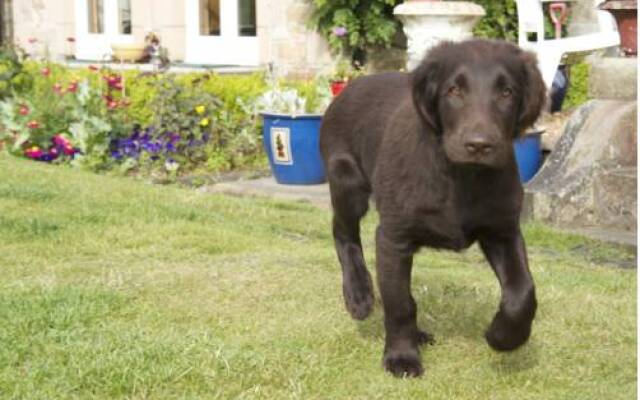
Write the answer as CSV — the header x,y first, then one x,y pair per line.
x,y
428,22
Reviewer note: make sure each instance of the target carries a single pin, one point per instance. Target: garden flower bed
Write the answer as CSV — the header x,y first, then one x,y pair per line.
x,y
151,124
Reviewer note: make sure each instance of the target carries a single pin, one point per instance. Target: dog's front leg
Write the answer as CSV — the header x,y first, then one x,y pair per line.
x,y
393,266
511,325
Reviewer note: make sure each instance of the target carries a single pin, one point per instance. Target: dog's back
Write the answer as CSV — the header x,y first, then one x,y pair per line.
x,y
355,121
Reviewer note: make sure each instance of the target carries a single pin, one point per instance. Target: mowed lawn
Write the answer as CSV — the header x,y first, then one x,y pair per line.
x,y
113,288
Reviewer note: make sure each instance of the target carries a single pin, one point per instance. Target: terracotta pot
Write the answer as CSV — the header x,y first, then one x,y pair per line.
x,y
625,13
337,87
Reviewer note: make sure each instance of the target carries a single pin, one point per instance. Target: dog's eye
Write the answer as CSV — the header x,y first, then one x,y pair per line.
x,y
506,92
454,91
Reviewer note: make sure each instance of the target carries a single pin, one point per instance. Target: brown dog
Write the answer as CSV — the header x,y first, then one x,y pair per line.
x,y
435,147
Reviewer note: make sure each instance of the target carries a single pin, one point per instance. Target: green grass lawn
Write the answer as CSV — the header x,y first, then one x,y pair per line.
x,y
112,288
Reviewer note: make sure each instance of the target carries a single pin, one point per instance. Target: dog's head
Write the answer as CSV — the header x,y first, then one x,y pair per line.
x,y
479,95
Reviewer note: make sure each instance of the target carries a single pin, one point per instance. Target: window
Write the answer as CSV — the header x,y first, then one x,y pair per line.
x,y
96,23
103,23
247,17
210,17
124,17
221,32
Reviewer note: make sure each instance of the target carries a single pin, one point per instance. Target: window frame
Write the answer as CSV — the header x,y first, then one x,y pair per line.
x,y
229,48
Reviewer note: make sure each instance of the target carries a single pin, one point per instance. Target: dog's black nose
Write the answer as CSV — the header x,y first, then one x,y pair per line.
x,y
478,145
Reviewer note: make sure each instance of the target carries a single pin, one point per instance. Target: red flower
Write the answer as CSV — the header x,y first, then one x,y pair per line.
x,y
33,124
24,110
69,150
57,88
45,71
114,81
73,87
112,104
93,68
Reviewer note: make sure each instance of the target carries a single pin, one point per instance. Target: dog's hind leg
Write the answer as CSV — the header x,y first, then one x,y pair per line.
x,y
350,193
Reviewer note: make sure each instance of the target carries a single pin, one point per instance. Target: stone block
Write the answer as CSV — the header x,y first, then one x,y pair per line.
x,y
589,179
613,78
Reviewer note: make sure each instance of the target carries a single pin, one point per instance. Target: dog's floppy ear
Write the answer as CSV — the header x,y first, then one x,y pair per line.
x,y
534,92
424,87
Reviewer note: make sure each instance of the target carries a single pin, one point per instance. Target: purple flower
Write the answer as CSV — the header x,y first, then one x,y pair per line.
x,y
339,31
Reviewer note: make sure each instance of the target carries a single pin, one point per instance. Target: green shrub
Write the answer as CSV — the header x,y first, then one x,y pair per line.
x,y
500,21
13,77
353,27
578,92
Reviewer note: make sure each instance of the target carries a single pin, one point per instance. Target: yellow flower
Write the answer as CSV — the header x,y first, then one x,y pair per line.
x,y
200,109
204,122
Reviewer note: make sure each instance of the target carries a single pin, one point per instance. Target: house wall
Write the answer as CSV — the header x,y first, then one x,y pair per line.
x,y
168,21
50,22
282,33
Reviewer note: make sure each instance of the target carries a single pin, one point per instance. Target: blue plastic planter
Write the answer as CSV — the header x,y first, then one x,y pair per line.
x,y
293,147
528,155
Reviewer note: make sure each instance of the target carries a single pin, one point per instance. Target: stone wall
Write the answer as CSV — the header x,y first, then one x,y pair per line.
x,y
286,41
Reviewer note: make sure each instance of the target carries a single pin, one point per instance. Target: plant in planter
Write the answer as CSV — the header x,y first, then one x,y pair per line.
x,y
291,133
344,71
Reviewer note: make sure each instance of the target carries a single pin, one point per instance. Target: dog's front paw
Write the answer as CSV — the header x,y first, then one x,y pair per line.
x,y
358,298
506,335
403,363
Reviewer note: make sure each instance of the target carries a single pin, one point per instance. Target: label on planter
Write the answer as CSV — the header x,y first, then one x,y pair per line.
x,y
281,146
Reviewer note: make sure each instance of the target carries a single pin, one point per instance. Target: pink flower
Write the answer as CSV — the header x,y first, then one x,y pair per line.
x,y
60,140
33,152
57,88
112,104
53,152
117,86
73,87
33,124
339,31
24,110
45,71
32,40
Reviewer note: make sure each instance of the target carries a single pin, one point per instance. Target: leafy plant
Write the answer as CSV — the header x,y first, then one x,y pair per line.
x,y
353,27
63,118
578,92
13,77
500,20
